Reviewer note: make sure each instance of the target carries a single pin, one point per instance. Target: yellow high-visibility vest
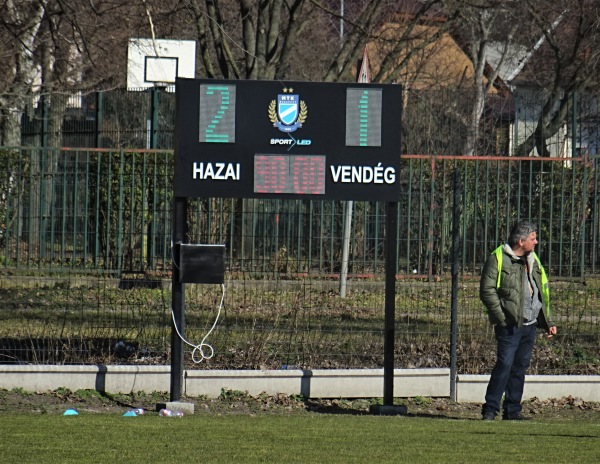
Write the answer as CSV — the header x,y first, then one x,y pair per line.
x,y
545,288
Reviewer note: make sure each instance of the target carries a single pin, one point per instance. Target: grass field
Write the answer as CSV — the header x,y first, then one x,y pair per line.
x,y
318,438
237,427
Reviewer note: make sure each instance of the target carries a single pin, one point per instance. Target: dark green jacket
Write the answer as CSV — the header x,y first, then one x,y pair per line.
x,y
504,304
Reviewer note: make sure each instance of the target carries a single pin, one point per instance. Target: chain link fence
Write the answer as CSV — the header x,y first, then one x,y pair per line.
x,y
85,244
85,260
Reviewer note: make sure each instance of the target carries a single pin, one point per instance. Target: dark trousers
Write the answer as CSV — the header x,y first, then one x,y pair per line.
x,y
515,345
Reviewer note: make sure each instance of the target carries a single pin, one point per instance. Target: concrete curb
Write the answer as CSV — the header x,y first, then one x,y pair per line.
x,y
319,383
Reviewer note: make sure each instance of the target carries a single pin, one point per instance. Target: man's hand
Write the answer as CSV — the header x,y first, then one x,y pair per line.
x,y
551,331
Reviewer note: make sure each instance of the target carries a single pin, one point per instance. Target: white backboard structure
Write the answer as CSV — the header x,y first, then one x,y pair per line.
x,y
158,62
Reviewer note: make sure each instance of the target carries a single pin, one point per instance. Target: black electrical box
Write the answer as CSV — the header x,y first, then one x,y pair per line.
x,y
200,264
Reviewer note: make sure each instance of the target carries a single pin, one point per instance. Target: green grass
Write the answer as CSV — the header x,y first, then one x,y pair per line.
x,y
308,439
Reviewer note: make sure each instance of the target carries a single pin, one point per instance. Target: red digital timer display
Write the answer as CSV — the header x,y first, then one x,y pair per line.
x,y
292,174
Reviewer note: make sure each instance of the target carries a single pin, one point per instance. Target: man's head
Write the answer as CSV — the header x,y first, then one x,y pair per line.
x,y
523,238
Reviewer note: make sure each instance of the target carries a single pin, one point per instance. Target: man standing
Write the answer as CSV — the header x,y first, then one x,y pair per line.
x,y
514,290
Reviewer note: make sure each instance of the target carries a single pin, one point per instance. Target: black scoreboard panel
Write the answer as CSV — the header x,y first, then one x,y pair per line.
x,y
271,139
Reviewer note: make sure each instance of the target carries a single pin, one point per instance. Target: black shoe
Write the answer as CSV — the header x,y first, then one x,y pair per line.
x,y
516,417
488,416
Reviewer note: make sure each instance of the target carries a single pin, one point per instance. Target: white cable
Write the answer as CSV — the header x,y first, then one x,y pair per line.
x,y
200,346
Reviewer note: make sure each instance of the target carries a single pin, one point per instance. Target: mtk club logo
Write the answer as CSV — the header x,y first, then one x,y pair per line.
x,y
291,111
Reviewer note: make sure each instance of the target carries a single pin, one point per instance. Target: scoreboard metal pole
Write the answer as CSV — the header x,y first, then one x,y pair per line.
x,y
177,299
390,302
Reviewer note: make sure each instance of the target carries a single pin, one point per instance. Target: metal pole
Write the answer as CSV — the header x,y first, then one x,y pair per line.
x,y
362,75
177,300
390,302
574,126
99,118
341,22
454,297
346,248
154,92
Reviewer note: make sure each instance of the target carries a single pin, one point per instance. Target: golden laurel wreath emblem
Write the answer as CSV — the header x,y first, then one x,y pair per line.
x,y
273,112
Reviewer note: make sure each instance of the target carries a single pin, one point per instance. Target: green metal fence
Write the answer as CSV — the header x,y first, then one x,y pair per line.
x,y
85,209
110,210
85,261
138,119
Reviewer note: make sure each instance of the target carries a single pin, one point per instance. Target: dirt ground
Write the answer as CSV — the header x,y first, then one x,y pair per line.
x,y
235,402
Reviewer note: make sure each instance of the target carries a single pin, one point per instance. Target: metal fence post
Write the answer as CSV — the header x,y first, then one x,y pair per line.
x,y
154,91
455,266
99,118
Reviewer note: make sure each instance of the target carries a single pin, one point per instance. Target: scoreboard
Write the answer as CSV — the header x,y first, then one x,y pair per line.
x,y
288,139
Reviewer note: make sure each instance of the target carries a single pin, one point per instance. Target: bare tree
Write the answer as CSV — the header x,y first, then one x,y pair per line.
x,y
54,46
479,23
243,39
49,48
298,39
567,63
20,26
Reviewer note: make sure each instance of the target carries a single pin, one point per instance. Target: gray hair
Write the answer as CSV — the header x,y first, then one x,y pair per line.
x,y
520,231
